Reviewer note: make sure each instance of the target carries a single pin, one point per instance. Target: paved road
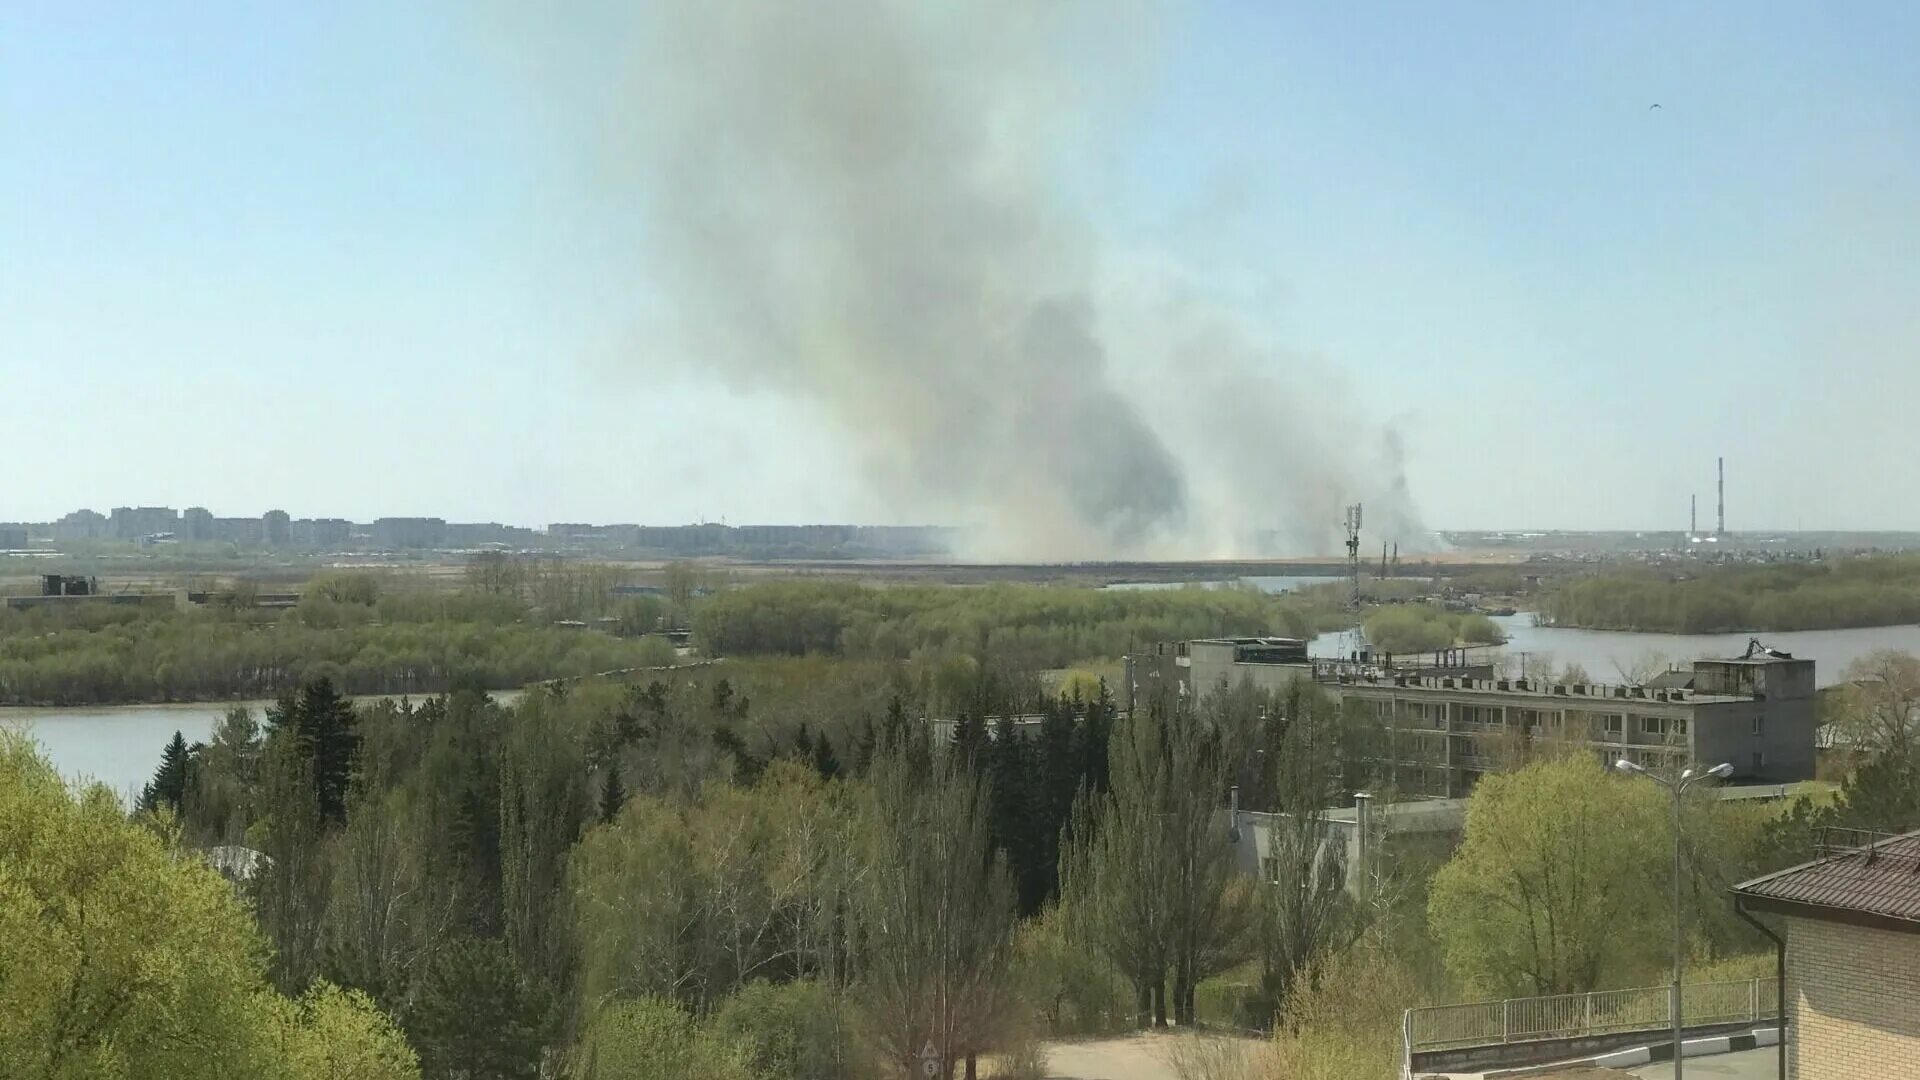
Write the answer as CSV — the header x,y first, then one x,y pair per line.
x,y
1760,1063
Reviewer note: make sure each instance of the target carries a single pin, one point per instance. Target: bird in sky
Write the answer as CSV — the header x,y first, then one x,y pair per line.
x,y
1655,105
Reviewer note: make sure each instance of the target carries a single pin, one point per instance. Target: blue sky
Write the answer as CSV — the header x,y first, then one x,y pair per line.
x,y
339,260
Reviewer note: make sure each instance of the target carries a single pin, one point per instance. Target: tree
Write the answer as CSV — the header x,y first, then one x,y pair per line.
x,y
323,724
476,1017
935,916
225,777
654,1039
969,739
1877,706
824,760
800,1030
172,780
1550,885
544,806
613,793
1306,911
1147,879
127,958
290,892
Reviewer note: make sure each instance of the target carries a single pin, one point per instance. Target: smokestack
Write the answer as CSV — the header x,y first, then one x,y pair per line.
x,y
1720,528
1693,516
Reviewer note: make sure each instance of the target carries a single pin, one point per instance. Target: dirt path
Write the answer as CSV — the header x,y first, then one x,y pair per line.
x,y
1135,1057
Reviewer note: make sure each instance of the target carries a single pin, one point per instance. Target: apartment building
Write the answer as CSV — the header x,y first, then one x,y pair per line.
x,y
1444,720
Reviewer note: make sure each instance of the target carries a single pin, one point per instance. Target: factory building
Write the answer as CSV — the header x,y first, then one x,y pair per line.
x,y
1444,722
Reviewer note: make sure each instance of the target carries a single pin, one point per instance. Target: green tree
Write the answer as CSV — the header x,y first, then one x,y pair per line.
x,y
654,1039
323,724
1550,891
290,892
172,780
800,1030
127,959
476,1017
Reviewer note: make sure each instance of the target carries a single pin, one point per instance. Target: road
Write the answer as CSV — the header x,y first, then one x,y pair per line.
x,y
1760,1063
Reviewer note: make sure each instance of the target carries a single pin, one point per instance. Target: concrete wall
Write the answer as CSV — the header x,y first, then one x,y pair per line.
x,y
1853,1001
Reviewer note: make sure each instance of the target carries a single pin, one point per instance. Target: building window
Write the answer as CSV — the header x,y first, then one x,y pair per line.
x,y
1612,722
1758,721
1680,727
1653,725
1759,762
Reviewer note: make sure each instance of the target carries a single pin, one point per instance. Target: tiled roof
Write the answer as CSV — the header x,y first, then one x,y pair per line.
x,y
1859,874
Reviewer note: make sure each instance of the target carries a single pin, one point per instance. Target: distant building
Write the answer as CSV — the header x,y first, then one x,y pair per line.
x,y
473,534
243,531
400,533
1851,921
326,534
1446,722
278,528
196,524
81,525
134,522
13,537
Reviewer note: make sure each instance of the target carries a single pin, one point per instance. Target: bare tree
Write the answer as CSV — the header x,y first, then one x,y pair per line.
x,y
1878,704
935,916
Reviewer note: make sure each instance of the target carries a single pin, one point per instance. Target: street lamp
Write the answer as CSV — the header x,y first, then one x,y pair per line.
x,y
1679,787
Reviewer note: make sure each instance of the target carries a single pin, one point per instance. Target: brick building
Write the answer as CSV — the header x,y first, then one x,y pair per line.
x,y
1851,921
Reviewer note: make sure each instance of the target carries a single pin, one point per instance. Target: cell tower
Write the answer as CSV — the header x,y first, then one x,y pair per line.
x,y
1353,556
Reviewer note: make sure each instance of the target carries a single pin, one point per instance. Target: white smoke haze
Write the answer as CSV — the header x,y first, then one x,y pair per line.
x,y
855,202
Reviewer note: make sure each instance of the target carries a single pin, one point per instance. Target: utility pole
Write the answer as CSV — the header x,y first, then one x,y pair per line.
x,y
1678,787
1720,527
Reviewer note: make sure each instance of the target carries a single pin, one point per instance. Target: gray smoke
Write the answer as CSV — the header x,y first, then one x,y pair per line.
x,y
856,202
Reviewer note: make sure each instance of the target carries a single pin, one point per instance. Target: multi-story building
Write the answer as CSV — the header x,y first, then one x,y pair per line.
x,y
196,523
134,522
327,534
1444,722
399,533
81,525
244,531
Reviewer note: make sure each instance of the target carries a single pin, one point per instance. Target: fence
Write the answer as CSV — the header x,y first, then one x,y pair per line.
x,y
1569,1016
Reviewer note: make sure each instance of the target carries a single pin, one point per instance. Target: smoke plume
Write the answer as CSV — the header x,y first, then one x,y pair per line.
x,y
856,202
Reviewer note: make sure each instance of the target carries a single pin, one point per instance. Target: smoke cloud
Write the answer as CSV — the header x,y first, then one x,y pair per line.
x,y
856,202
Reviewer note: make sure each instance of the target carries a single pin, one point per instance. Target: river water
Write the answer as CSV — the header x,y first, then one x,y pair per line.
x,y
120,745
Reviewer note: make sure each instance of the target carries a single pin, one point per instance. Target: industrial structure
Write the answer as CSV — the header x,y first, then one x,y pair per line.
x,y
1444,720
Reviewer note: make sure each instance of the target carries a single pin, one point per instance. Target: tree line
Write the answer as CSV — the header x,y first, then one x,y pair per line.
x,y
1879,590
1027,626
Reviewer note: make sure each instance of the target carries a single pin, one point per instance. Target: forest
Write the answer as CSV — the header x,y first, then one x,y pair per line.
x,y
776,868
509,624
1873,590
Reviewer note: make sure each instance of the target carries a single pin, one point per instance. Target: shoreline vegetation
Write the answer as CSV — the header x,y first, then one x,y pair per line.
x,y
508,627
1866,591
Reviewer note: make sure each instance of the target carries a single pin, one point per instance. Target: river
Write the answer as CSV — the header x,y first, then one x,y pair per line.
x,y
1606,654
120,745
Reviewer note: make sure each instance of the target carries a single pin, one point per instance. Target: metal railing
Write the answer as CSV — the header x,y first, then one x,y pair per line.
x,y
1570,1016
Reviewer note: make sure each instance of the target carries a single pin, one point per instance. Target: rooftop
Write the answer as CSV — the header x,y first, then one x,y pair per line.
x,y
1865,878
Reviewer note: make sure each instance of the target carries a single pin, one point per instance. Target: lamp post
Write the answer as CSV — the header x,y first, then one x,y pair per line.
x,y
1678,787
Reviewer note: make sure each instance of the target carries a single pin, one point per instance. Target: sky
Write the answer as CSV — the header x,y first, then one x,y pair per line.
x,y
346,260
